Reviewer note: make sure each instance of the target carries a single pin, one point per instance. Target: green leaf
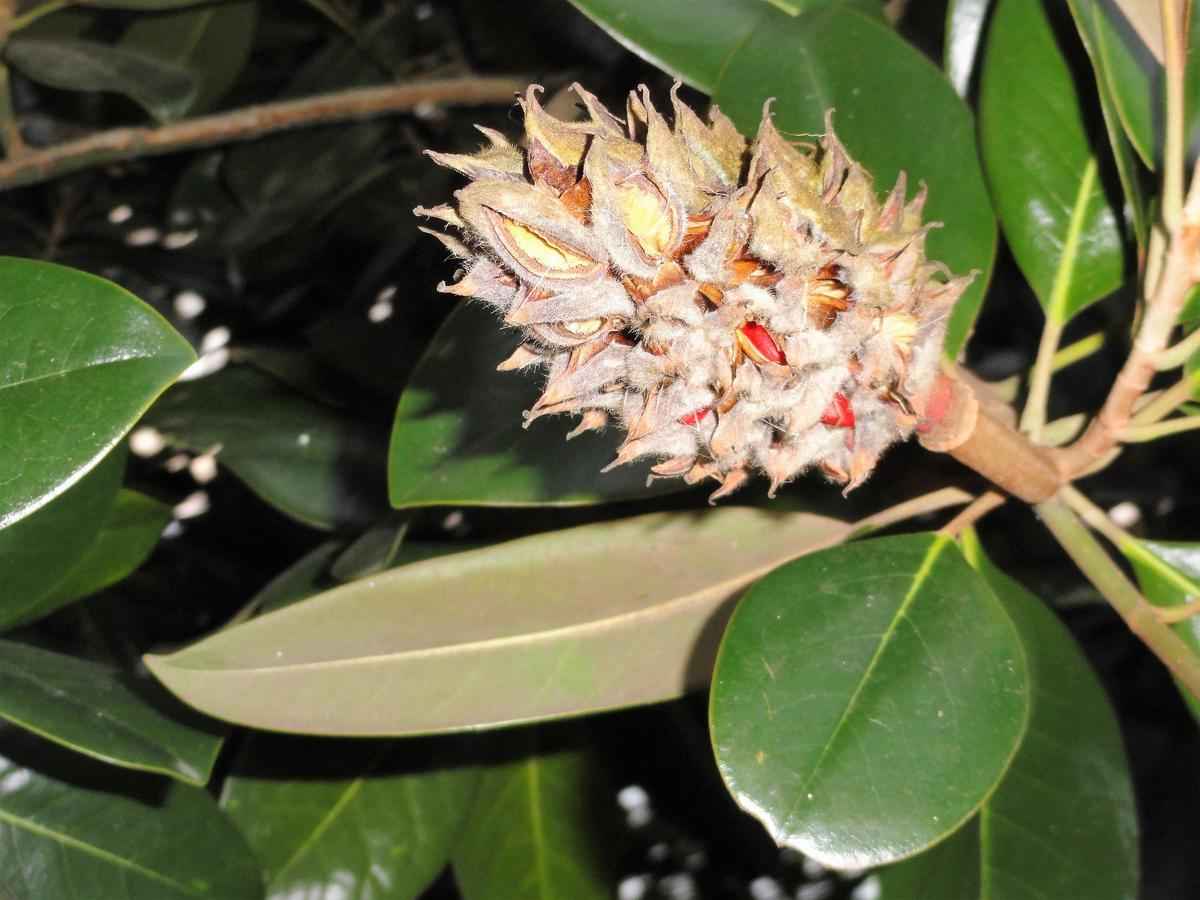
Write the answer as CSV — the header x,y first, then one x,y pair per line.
x,y
964,29
212,42
1132,77
894,112
947,871
849,686
1169,575
669,34
1045,177
39,553
459,439
165,90
128,536
556,624
372,551
362,819
1090,21
537,831
90,708
1062,823
80,360
70,827
145,5
303,578
319,464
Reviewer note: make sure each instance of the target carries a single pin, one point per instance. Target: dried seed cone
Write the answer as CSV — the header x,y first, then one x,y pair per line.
x,y
734,308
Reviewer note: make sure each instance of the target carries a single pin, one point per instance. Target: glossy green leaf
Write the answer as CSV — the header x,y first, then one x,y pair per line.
x,y
1045,177
356,818
1131,75
212,42
1062,823
847,688
947,871
1088,20
65,403
306,576
964,29
372,551
321,465
70,827
164,89
560,623
39,553
458,436
894,112
1169,575
696,48
538,830
127,537
91,709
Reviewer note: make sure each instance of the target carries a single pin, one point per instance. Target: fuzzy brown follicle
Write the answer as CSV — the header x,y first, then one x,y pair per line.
x,y
735,307
956,423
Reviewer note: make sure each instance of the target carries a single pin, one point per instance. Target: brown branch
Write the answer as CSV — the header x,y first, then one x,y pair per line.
x,y
251,122
980,507
1162,312
978,436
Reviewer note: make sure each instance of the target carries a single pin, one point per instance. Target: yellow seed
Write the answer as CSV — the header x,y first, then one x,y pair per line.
x,y
583,328
901,327
541,253
647,216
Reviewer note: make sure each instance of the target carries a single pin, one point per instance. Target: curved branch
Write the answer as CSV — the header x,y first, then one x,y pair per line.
x,y
251,122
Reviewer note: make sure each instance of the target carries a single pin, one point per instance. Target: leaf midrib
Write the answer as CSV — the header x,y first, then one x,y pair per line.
x,y
95,852
919,577
81,368
699,597
1057,311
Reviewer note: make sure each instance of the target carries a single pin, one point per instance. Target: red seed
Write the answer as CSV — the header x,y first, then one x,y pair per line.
x,y
838,412
695,417
758,344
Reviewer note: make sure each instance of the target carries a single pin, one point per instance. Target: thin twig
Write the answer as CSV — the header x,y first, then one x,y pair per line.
x,y
1180,353
1173,615
980,507
1033,417
1079,350
1139,434
1161,313
1165,402
29,17
251,122
1120,592
1133,549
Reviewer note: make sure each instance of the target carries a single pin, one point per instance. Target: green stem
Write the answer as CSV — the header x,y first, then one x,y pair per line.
x,y
1174,51
1176,356
1033,417
1139,434
1165,402
30,16
1120,592
1081,349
